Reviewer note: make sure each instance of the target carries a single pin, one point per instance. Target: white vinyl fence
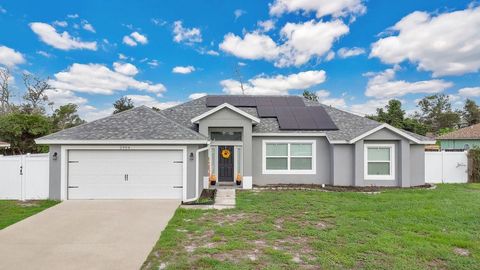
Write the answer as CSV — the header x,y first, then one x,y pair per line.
x,y
24,177
446,167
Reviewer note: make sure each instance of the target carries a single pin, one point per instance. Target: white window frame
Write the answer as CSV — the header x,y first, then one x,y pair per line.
x,y
390,176
289,171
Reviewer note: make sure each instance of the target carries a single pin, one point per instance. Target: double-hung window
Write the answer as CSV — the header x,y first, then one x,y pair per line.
x,y
379,161
289,157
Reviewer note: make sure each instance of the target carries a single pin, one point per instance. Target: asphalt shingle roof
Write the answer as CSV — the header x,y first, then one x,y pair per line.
x,y
143,123
471,132
140,123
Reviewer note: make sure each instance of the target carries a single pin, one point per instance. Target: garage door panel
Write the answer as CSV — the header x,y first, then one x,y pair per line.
x,y
100,174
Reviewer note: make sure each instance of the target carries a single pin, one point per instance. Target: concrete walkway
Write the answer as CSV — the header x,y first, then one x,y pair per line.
x,y
111,234
225,198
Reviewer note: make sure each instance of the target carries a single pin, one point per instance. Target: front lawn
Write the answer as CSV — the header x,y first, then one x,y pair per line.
x,y
14,211
397,229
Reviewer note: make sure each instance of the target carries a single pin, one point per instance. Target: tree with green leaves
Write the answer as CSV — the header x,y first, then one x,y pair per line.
x,y
21,130
66,116
123,104
394,115
436,113
310,95
471,112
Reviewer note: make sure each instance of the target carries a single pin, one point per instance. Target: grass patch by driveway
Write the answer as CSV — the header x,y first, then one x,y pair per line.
x,y
397,229
14,211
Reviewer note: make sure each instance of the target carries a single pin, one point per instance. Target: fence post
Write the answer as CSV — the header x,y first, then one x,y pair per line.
x,y
22,177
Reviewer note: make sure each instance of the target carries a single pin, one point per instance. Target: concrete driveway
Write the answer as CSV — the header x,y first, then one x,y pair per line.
x,y
96,234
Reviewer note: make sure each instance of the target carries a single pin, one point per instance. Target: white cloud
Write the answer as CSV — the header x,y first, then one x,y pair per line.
x,y
90,113
72,16
129,41
134,38
337,8
9,57
3,10
60,23
276,85
469,92
242,64
308,40
212,52
88,26
142,39
330,55
197,95
61,97
267,25
187,35
446,44
153,63
45,54
369,107
145,100
303,41
350,52
99,79
125,68
183,70
238,13
62,41
324,97
384,85
158,21
251,46
122,56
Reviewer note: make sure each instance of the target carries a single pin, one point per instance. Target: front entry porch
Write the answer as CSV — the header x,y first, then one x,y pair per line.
x,y
225,166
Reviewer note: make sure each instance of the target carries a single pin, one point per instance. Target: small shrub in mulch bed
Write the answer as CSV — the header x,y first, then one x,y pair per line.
x,y
206,198
338,188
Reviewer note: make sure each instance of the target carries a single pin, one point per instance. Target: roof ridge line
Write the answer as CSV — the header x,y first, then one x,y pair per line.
x,y
175,122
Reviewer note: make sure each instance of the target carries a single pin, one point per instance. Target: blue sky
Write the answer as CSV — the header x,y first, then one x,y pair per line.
x,y
355,54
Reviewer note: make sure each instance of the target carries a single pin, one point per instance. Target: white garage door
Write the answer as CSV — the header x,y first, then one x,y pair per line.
x,y
115,174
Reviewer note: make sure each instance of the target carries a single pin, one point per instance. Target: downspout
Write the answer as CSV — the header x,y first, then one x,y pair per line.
x,y
197,172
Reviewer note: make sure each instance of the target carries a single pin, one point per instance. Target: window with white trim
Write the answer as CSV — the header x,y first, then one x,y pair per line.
x,y
282,157
379,161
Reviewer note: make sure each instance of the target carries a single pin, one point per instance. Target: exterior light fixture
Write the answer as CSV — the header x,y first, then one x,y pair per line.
x,y
55,156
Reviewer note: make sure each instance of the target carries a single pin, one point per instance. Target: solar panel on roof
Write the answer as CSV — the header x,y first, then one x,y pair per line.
x,y
214,101
290,111
321,118
295,102
279,101
303,118
263,101
266,111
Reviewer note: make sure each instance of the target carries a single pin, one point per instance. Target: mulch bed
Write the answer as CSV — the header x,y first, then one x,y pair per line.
x,y
334,188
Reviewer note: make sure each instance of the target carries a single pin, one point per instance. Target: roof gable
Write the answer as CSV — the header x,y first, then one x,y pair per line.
x,y
254,119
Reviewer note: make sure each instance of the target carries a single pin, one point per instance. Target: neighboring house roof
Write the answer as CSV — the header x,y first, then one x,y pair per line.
x,y
471,132
138,124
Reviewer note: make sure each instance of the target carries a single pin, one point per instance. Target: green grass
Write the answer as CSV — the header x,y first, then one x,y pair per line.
x,y
397,229
14,211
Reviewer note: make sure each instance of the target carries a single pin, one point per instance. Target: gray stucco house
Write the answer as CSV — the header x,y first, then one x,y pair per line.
x,y
257,140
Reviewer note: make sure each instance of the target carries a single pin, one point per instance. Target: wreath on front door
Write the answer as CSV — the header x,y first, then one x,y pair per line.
x,y
226,153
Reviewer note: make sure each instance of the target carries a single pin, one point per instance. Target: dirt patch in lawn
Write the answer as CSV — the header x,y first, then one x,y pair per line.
x,y
28,203
461,251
